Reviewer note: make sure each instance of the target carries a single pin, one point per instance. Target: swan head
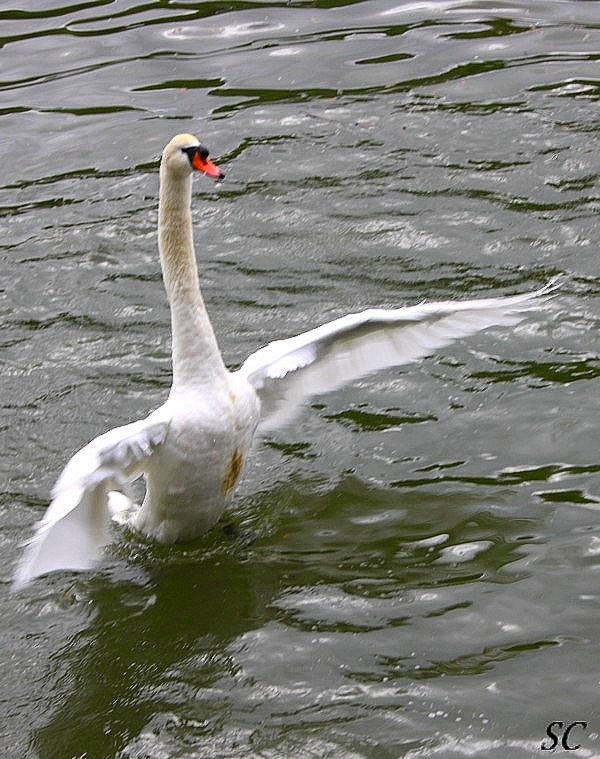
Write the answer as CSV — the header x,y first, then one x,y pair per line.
x,y
184,154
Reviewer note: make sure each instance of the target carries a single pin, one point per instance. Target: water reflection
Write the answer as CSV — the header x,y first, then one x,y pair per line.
x,y
226,627
151,647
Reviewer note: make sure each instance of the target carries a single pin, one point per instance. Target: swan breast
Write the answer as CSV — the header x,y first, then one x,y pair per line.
x,y
192,477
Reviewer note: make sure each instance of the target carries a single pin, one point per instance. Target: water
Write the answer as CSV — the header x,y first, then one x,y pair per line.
x,y
411,570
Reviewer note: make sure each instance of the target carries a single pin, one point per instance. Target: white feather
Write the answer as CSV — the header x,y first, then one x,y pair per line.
x,y
75,527
287,372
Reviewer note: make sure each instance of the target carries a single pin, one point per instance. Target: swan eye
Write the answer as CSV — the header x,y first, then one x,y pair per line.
x,y
196,149
198,158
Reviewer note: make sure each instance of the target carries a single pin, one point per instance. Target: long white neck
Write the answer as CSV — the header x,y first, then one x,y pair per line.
x,y
196,355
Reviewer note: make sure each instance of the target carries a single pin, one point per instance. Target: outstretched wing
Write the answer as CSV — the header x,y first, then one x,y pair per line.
x,y
286,372
74,528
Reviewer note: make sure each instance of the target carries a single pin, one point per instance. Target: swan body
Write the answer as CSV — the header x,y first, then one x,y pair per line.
x,y
191,451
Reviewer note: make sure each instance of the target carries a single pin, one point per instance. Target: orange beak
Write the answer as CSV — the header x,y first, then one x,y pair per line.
x,y
200,163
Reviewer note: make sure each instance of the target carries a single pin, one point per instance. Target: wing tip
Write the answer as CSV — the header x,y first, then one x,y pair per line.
x,y
26,571
19,581
551,288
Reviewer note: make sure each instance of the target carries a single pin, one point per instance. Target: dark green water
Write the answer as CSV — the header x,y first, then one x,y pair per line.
x,y
412,569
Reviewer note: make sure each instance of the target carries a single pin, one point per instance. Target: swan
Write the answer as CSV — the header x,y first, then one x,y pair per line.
x,y
192,449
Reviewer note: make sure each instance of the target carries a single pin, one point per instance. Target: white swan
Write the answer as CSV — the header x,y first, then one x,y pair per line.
x,y
192,449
